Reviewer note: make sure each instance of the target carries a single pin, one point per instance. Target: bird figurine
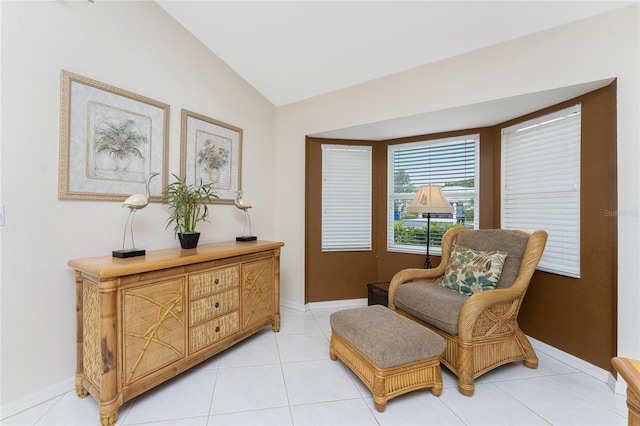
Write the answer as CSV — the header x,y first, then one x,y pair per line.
x,y
241,203
244,205
135,202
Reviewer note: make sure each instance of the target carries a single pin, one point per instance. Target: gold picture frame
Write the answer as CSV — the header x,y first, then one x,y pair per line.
x,y
211,152
111,140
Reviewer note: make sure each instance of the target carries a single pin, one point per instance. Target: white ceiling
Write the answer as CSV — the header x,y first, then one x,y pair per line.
x,y
294,50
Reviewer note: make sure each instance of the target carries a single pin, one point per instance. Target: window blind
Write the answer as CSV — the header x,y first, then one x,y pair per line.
x,y
436,163
346,198
451,163
541,185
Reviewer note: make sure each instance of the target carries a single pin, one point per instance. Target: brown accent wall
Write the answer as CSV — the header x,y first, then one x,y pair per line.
x,y
577,316
335,275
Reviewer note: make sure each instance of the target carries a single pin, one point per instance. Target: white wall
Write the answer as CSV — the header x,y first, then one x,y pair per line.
x,y
135,46
602,47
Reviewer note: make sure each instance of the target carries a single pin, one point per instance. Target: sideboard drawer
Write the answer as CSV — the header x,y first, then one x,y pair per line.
x,y
213,281
209,332
213,306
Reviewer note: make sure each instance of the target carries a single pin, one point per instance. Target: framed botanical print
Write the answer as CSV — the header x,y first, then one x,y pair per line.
x,y
211,152
111,140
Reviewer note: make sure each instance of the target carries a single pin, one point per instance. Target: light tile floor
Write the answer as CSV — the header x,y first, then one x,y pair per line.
x,y
287,378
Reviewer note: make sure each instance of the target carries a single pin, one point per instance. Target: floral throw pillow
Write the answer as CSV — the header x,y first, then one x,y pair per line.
x,y
470,271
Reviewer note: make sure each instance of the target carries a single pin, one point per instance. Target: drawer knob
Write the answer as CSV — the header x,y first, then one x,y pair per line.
x,y
217,281
217,328
217,304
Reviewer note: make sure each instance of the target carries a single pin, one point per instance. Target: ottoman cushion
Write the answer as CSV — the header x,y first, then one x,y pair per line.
x,y
387,338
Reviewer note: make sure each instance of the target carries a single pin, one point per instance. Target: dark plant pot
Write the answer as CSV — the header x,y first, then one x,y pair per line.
x,y
189,240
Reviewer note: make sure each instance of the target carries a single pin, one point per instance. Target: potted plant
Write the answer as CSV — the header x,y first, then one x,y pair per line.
x,y
188,204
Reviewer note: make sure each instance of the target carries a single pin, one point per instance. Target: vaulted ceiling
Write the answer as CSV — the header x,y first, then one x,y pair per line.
x,y
294,50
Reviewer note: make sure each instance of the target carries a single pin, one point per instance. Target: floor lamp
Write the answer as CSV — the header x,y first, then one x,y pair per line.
x,y
429,199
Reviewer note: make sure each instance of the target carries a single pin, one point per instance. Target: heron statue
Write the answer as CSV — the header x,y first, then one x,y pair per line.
x,y
134,202
244,205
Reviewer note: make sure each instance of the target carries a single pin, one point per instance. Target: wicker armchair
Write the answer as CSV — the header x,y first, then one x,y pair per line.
x,y
481,331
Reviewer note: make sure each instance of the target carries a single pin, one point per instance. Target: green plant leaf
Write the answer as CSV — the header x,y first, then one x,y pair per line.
x,y
188,204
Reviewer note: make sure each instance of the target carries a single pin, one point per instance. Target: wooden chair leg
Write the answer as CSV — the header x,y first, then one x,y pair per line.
x,y
465,371
467,389
530,357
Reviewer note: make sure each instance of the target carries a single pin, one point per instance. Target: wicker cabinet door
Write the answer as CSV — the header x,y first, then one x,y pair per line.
x,y
153,327
257,292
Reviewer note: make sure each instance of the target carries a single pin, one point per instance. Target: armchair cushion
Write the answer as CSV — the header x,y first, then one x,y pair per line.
x,y
472,271
432,303
491,239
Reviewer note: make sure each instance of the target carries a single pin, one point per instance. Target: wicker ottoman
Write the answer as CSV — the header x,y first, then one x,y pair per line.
x,y
391,354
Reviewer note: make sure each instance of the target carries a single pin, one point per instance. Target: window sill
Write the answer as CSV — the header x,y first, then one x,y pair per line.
x,y
433,251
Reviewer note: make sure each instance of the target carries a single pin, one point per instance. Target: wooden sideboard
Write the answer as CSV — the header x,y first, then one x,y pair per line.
x,y
143,320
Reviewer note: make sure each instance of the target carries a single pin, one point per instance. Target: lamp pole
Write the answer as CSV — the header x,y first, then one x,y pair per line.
x,y
429,199
427,261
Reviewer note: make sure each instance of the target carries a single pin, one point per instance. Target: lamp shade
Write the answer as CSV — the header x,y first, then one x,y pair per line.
x,y
430,199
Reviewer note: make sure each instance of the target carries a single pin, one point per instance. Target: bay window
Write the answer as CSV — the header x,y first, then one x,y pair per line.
x,y
451,163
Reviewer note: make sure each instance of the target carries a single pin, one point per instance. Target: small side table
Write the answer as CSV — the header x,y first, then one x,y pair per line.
x,y
378,293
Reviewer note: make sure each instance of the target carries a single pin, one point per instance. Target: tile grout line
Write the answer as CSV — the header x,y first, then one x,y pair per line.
x,y
284,380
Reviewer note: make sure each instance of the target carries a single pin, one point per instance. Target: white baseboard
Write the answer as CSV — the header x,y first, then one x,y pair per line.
x,y
617,386
36,398
293,305
332,304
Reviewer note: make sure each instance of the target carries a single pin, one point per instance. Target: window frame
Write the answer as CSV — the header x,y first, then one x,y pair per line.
x,y
352,202
562,251
452,195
